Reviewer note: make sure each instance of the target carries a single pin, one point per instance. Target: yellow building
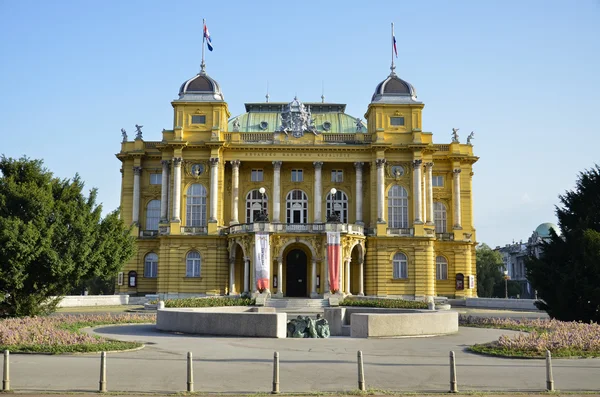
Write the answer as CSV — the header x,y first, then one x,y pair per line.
x,y
402,206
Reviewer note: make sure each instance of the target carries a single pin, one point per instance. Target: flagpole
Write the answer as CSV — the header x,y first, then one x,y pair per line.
x,y
202,65
393,67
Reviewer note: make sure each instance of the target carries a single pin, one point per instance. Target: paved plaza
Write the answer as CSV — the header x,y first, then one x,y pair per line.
x,y
244,365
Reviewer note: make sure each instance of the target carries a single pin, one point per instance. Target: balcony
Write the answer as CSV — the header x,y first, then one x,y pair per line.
x,y
401,231
314,228
194,230
148,233
445,236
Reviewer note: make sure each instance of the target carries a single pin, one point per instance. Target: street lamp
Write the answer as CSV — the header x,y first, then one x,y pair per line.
x,y
333,215
506,284
262,216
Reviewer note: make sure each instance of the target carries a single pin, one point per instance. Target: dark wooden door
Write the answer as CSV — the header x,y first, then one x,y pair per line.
x,y
295,276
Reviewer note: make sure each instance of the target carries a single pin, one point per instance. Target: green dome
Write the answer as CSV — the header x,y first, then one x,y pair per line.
x,y
543,230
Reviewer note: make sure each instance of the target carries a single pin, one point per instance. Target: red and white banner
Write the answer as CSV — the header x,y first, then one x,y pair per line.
x,y
262,260
334,256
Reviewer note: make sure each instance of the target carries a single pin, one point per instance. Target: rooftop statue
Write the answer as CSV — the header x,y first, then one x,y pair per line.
x,y
295,118
470,137
236,125
138,131
124,133
359,125
455,135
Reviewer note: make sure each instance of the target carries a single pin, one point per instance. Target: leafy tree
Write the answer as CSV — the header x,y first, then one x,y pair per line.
x,y
567,274
52,237
489,264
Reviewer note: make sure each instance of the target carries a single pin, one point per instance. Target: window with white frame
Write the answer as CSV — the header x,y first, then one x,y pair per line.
x,y
152,214
257,175
192,264
155,179
255,204
297,175
437,181
398,207
151,265
296,207
196,205
441,265
439,217
337,176
400,266
337,203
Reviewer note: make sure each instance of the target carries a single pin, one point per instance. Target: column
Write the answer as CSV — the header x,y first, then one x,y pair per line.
x,y
246,275
176,189
276,191
417,191
135,212
313,284
235,191
214,187
429,189
164,191
232,276
380,190
347,274
359,192
361,275
317,202
279,276
456,197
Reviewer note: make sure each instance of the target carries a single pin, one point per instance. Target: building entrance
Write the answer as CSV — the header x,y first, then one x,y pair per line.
x,y
295,275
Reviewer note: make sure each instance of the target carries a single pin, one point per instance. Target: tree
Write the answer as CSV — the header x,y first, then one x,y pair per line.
x,y
489,264
52,237
567,273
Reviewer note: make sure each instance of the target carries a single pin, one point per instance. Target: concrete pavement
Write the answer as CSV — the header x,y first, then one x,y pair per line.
x,y
244,365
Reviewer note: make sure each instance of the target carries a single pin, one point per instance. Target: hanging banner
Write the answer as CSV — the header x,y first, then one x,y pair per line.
x,y
262,260
334,255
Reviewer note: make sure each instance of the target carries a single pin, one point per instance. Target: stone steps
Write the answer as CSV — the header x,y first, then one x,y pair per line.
x,y
297,303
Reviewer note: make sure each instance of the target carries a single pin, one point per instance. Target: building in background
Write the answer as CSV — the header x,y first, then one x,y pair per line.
x,y
298,199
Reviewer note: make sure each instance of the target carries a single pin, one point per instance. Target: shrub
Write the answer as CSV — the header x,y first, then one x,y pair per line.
x,y
385,303
209,302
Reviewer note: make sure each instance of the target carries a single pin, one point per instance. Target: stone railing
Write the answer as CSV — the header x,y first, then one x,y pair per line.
x,y
401,231
194,230
357,138
445,236
442,148
151,145
148,233
346,228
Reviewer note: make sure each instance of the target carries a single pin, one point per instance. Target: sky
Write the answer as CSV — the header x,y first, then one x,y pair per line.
x,y
524,75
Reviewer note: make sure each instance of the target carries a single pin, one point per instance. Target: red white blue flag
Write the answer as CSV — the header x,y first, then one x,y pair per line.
x,y
207,37
393,43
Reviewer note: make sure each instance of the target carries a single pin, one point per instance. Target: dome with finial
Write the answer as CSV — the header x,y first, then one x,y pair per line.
x,y
543,230
200,88
394,90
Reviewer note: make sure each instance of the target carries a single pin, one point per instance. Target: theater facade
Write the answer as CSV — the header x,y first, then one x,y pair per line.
x,y
298,200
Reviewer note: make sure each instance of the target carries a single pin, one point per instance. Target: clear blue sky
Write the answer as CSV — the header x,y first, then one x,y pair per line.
x,y
524,75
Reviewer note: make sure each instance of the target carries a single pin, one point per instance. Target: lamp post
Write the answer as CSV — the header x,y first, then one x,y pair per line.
x,y
333,215
506,284
262,217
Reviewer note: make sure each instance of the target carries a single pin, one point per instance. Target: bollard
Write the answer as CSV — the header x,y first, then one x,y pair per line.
x,y
549,377
6,378
453,385
361,372
275,373
190,373
102,386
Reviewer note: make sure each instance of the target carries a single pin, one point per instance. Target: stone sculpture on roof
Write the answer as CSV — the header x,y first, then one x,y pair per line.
x,y
470,137
455,135
124,133
297,119
138,131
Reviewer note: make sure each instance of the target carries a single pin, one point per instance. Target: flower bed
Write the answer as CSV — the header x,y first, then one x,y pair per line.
x,y
208,302
563,339
387,303
61,334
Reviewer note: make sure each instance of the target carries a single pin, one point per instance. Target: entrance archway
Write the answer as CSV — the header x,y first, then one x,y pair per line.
x,y
296,275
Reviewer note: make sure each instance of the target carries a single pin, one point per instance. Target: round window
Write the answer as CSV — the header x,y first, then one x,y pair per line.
x,y
263,125
397,170
327,126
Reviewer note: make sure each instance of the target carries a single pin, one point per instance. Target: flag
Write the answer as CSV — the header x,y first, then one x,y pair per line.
x,y
207,37
393,42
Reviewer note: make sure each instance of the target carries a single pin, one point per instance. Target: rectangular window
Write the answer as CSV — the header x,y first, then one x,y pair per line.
x,y
257,176
396,121
297,176
437,181
337,176
155,179
198,119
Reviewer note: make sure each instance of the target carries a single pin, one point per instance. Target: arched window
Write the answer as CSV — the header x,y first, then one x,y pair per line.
x,y
441,265
400,266
439,217
152,215
192,264
297,207
196,205
398,207
339,204
254,205
151,265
